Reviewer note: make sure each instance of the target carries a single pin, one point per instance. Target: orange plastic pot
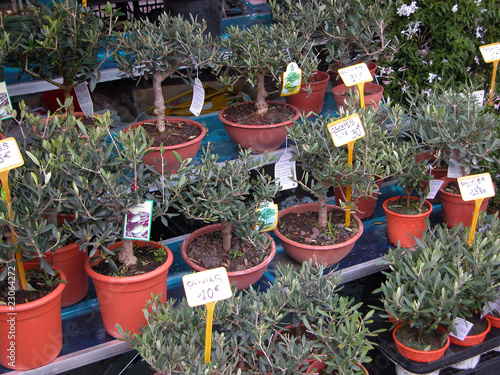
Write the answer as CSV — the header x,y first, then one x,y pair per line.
x,y
372,93
473,339
259,138
122,299
31,333
402,228
243,279
331,254
312,101
494,321
419,355
365,205
185,150
317,366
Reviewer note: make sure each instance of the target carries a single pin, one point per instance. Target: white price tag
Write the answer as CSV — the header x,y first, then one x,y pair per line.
x,y
5,104
84,99
346,130
476,186
10,156
434,186
198,98
207,286
454,170
490,52
355,74
462,327
137,223
284,171
479,96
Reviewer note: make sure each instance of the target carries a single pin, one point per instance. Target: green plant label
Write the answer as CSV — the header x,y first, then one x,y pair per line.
x,y
490,52
10,155
355,74
268,216
137,223
476,186
346,129
206,286
5,104
292,79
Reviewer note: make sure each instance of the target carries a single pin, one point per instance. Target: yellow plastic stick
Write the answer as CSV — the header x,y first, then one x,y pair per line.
x,y
4,178
361,89
350,152
477,207
208,332
493,77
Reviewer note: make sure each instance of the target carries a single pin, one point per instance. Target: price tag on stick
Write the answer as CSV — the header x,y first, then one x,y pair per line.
x,y
206,288
491,54
10,158
476,188
358,75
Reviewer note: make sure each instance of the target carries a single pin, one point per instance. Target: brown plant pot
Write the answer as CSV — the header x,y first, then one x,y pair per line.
x,y
242,279
401,228
317,366
335,77
455,210
373,94
365,205
37,329
185,150
259,138
311,102
331,254
122,299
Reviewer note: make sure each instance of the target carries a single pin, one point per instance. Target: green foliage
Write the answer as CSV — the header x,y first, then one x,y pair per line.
x,y
247,337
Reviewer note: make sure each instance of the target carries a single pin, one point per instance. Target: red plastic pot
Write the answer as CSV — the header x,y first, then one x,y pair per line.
x,y
365,205
122,299
259,138
373,94
185,150
401,228
311,102
473,339
331,254
419,355
317,366
242,279
494,321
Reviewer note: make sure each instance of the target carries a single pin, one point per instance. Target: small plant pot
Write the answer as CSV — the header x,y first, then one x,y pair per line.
x,y
311,102
419,355
473,339
337,80
365,205
317,366
402,228
373,94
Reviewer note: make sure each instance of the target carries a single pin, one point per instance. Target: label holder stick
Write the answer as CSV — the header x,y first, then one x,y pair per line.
x,y
210,306
361,90
350,153
477,208
493,78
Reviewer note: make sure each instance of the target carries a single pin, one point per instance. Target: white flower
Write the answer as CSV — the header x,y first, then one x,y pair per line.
x,y
386,71
478,2
455,8
405,88
407,10
428,92
478,32
412,29
431,78
445,61
476,59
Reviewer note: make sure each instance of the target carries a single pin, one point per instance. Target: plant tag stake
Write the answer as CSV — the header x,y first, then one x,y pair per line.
x,y
10,158
137,223
358,75
206,288
462,327
346,131
476,188
478,95
84,99
292,79
268,216
284,172
198,98
491,54
5,104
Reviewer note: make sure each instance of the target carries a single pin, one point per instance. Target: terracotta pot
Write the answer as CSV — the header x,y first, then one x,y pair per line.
x,y
335,77
259,138
31,333
242,279
185,150
122,299
373,94
317,366
494,321
331,254
401,228
311,102
473,339
419,355
455,210
365,205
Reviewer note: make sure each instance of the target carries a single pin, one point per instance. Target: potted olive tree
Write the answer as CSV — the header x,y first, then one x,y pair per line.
x,y
70,42
230,194
158,50
248,339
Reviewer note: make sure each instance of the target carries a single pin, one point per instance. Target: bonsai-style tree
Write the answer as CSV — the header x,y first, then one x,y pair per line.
x,y
71,43
228,193
248,340
159,50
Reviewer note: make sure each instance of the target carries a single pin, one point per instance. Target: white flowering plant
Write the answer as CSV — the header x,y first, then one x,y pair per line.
x,y
439,42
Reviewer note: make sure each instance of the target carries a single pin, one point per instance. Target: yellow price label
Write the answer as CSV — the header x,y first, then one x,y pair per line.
x,y
355,74
345,130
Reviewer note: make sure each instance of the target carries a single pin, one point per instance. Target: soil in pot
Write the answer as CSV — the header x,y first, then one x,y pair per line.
x,y
408,336
245,113
148,259
175,134
207,251
36,278
303,228
399,206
